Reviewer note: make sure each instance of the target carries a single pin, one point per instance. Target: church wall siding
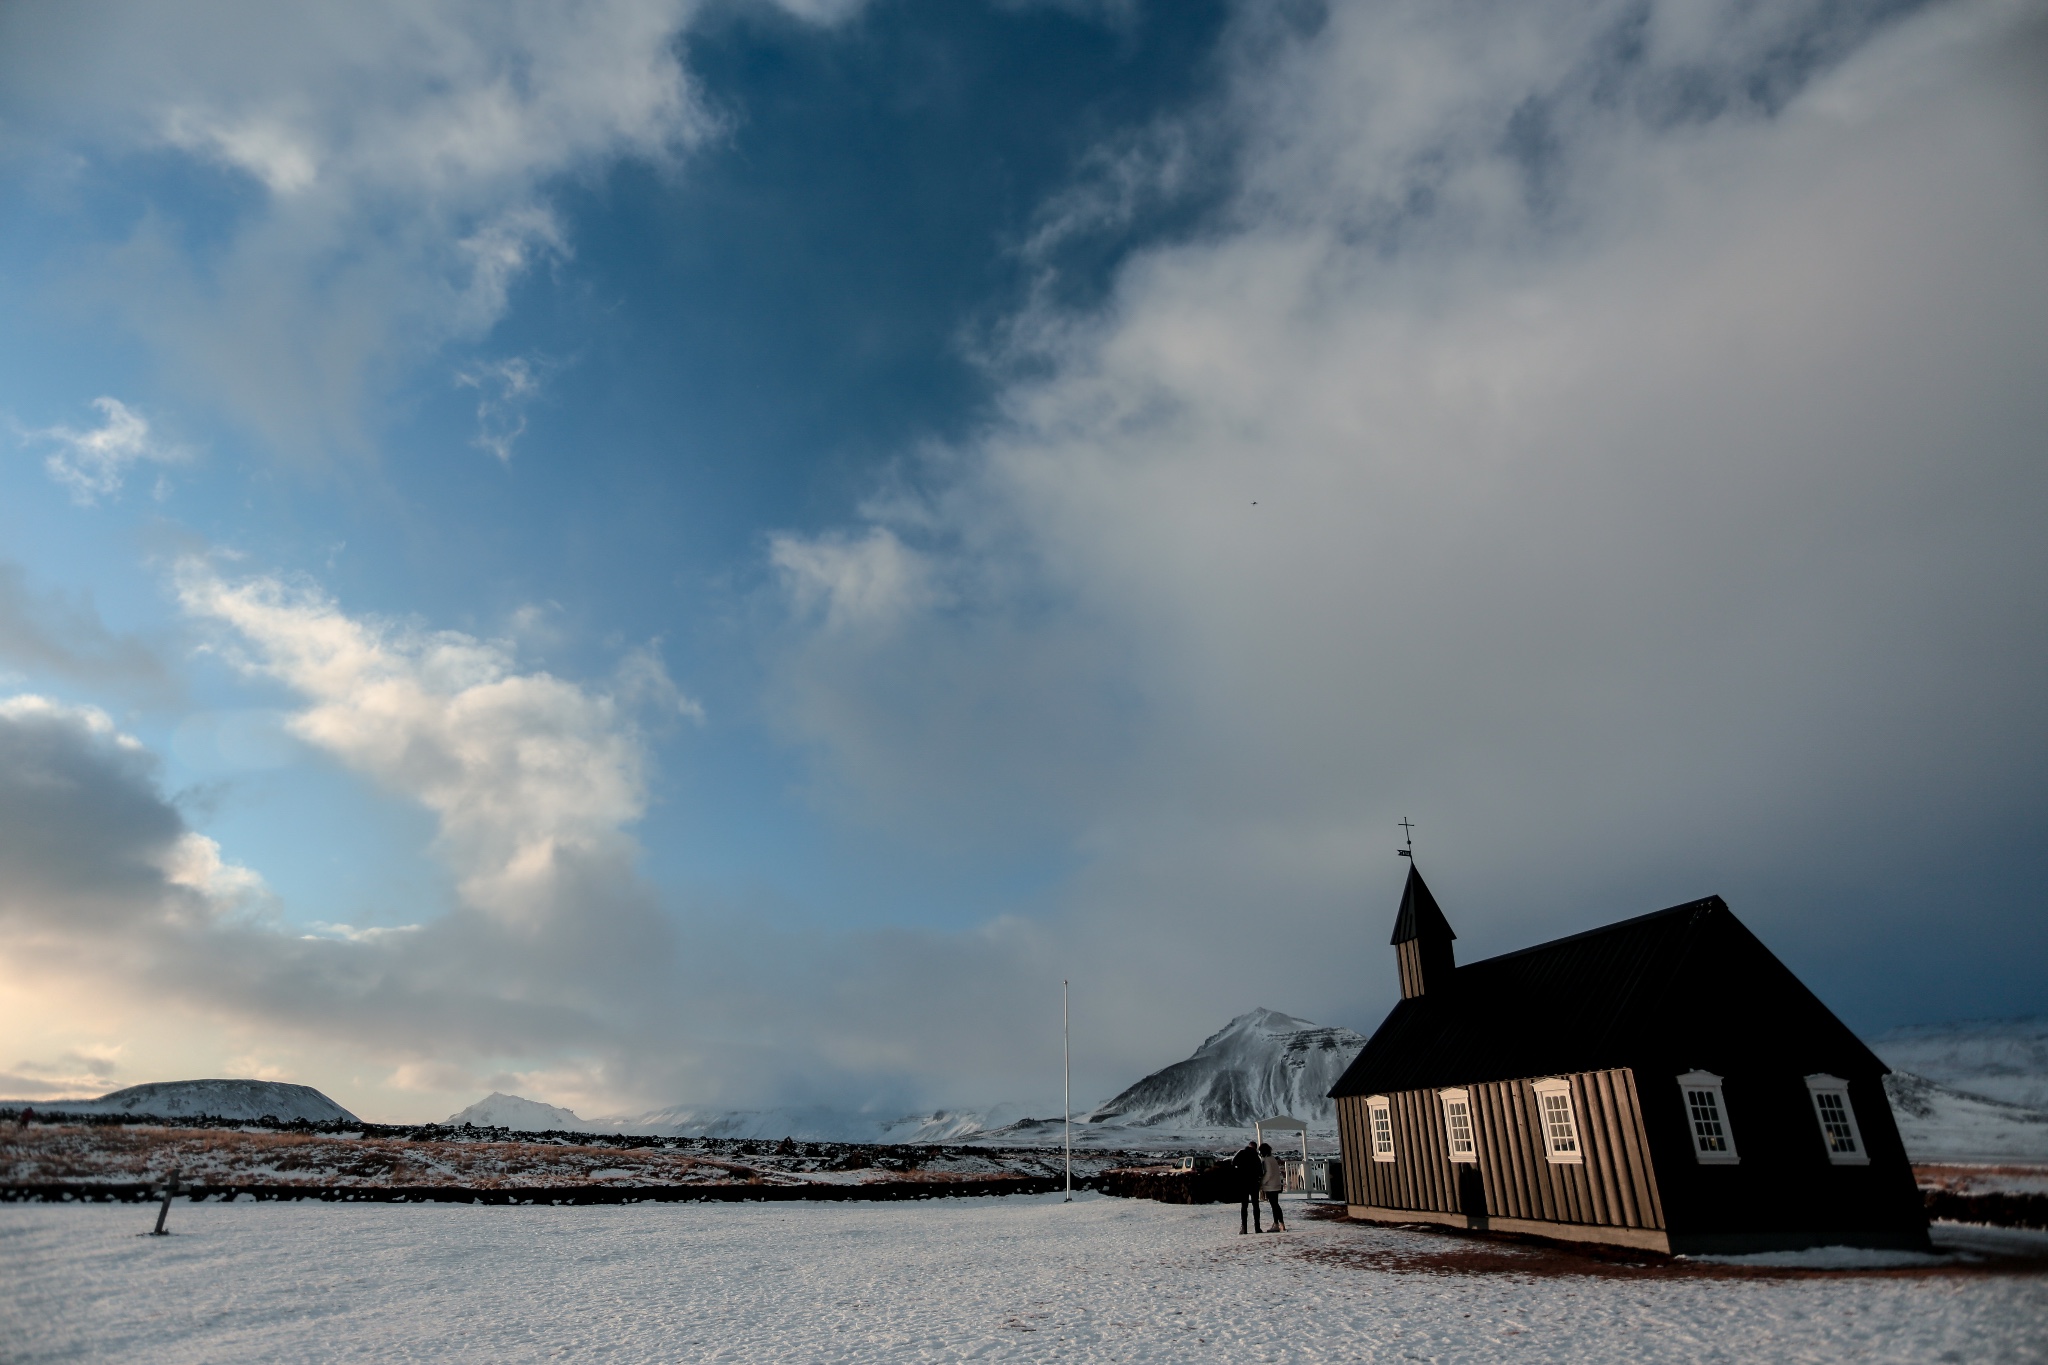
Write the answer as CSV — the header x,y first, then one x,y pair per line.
x,y
1613,1186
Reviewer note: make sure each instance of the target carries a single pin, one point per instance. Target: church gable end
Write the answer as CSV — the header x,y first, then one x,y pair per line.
x,y
1664,1082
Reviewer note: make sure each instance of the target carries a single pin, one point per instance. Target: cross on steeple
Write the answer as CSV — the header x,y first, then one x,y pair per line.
x,y
1408,833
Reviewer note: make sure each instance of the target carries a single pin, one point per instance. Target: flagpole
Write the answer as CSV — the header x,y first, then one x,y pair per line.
x,y
1067,1088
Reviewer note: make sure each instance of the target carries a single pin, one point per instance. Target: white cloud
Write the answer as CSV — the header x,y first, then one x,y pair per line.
x,y
84,830
643,681
399,152
27,706
554,963
186,861
553,951
93,463
504,389
1621,456
268,151
868,580
522,770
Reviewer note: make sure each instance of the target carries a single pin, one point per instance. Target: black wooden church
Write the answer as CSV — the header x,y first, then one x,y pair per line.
x,y
1663,1083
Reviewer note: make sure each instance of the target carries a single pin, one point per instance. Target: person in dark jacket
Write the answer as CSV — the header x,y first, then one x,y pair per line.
x,y
1250,1172
1272,1180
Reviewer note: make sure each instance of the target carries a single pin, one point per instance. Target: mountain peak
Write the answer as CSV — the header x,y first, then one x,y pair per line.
x,y
1258,1020
500,1110
1261,1064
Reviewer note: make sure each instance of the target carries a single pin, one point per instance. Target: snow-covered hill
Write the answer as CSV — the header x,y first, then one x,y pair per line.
x,y
211,1099
1258,1065
1940,1123
2002,1059
521,1115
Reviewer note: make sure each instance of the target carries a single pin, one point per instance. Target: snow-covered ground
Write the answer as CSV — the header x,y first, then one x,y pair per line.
x,y
982,1279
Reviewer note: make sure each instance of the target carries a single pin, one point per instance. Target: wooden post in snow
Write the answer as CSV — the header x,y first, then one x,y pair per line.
x,y
1067,1089
164,1209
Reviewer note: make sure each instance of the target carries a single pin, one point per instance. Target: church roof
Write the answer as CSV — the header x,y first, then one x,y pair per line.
x,y
1420,916
1690,982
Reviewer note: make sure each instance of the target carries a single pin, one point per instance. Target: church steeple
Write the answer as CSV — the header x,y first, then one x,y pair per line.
x,y
1422,938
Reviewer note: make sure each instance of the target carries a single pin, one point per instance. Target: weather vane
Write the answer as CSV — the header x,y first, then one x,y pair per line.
x,y
1408,833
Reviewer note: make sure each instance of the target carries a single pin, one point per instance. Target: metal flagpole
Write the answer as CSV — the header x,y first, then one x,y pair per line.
x,y
1067,1089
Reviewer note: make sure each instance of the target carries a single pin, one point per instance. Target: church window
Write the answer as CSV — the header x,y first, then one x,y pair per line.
x,y
1458,1125
1560,1123
1706,1114
1381,1114
1837,1120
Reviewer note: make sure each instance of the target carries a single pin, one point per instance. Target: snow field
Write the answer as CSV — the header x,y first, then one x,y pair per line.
x,y
1021,1278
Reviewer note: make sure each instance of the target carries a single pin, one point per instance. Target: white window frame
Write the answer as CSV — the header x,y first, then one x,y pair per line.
x,y
1379,1121
1457,1104
1568,1147
1708,1084
1824,1084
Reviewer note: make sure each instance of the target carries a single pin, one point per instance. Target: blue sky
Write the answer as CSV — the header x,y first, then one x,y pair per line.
x,y
646,552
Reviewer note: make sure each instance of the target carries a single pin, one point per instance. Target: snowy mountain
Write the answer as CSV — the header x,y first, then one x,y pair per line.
x,y
211,1099
819,1124
1970,1091
521,1115
1940,1123
812,1123
2002,1059
1260,1064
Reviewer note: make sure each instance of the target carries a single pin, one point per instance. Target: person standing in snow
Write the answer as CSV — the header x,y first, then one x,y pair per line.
x,y
1272,1180
1249,1171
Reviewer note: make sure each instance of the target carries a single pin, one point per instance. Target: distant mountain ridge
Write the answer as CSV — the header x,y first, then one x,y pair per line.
x,y
805,1123
1970,1091
521,1115
1973,1090
1261,1064
1940,1123
2001,1059
223,1099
